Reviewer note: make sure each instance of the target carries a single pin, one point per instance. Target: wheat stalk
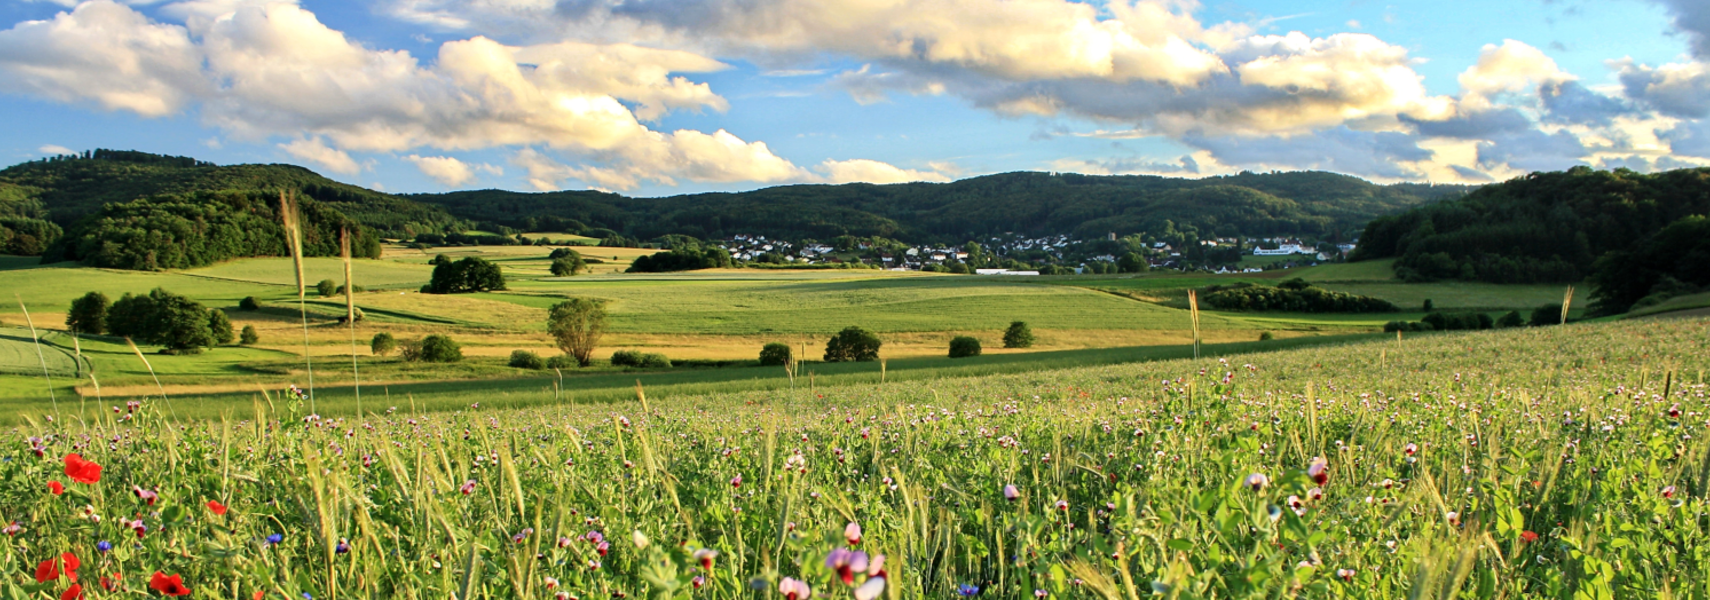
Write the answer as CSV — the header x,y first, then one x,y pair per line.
x,y
1567,301
294,241
52,397
151,373
1193,314
350,312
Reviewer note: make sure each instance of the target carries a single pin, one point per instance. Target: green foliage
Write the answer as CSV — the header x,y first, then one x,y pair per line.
x,y
383,344
220,326
1511,319
249,303
27,237
626,358
852,344
654,360
164,318
576,325
88,314
1019,335
1542,228
434,349
964,346
470,274
1548,314
326,288
1265,336
249,337
568,265
523,359
775,354
1132,263
683,259
1429,306
562,361
1291,296
1672,262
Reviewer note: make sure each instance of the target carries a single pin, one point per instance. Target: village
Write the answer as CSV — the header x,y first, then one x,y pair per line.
x,y
1018,255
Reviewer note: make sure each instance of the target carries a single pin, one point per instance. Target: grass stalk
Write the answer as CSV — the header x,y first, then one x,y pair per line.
x,y
1567,302
294,242
151,373
350,313
52,397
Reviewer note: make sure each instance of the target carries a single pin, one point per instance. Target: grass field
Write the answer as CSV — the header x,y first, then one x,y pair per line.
x,y
1513,464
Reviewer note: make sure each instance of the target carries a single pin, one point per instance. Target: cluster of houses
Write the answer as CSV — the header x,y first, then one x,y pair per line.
x,y
1289,246
1057,249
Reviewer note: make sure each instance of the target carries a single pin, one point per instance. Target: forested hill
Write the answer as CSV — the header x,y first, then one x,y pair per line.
x,y
1313,203
1545,227
64,189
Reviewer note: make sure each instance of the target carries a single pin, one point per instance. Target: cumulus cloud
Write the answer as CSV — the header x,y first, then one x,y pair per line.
x,y
1532,150
107,54
1692,17
54,150
871,171
1675,89
314,150
1374,153
450,171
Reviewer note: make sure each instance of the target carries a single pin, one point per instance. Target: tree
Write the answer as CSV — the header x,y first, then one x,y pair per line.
x,y
382,344
852,344
470,274
964,346
1548,314
88,314
220,326
775,354
439,349
568,266
163,318
1019,335
249,337
523,359
326,288
626,358
249,303
576,324
1429,306
1671,262
1132,262
1512,319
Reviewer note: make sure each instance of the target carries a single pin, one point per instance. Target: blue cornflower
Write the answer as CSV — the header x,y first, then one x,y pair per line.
x,y
275,538
966,590
103,545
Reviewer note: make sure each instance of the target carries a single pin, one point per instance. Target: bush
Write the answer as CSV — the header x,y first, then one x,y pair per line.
x,y
1512,319
775,354
249,303
523,359
1019,335
163,318
354,311
1266,336
383,344
435,349
471,274
220,326
567,266
655,361
1429,306
1548,314
964,346
626,358
355,289
1294,295
88,314
249,337
852,344
326,288
562,361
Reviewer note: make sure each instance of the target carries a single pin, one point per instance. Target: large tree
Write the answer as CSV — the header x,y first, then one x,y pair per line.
x,y
470,274
852,344
576,324
164,318
88,314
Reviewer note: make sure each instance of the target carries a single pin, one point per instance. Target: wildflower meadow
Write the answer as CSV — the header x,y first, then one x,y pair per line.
x,y
1561,462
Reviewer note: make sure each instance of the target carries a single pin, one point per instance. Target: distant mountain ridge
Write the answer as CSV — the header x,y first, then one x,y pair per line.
x,y
106,197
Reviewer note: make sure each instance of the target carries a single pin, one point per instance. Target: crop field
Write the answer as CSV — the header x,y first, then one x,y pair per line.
x,y
1535,463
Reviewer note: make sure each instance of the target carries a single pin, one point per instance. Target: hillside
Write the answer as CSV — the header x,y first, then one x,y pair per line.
x,y
1542,228
1036,203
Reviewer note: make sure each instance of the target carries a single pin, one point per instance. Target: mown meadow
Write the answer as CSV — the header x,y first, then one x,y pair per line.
x,y
1559,462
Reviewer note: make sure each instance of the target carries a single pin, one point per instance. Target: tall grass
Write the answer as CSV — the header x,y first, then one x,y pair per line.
x,y
291,219
350,312
37,340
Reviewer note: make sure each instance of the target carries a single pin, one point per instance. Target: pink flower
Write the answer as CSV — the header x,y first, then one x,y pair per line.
x,y
1010,493
1319,470
794,589
705,556
1257,481
468,487
846,563
852,533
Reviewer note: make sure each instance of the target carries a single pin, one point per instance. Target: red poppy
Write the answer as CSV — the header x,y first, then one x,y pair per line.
x,y
75,592
170,586
1528,537
112,583
56,487
258,595
219,509
81,471
47,571
71,565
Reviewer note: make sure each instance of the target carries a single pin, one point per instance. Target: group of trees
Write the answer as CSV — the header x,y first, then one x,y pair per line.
x,y
1548,314
681,259
160,317
24,236
1294,295
1672,262
469,274
567,262
1542,228
202,228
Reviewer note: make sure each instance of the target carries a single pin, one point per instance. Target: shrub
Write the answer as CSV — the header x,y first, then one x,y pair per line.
x,y
1429,306
249,337
439,349
568,266
964,346
326,287
1266,336
249,303
88,314
852,344
471,274
626,358
562,361
163,318
355,289
655,361
220,326
523,359
1548,314
1512,319
1019,335
383,344
775,354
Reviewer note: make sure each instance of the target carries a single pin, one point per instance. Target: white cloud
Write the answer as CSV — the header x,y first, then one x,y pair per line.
x,y
107,54
448,171
316,151
54,150
872,171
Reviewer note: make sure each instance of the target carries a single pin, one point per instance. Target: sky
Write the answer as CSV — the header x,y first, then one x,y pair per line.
x,y
660,97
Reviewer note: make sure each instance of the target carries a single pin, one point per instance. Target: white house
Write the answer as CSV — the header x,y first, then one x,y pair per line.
x,y
1284,249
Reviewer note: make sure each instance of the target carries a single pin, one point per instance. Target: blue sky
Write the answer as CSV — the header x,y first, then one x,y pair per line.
x,y
655,97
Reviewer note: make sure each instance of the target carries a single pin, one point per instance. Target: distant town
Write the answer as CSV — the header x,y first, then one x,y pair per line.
x,y
1012,254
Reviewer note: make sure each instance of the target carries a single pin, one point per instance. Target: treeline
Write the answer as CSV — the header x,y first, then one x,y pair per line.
x,y
1306,203
202,228
681,259
1294,295
1542,228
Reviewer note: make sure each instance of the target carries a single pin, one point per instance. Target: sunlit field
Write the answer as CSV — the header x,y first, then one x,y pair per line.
x,y
1536,463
